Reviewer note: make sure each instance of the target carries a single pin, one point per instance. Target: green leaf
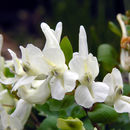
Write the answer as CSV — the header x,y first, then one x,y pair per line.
x,y
102,113
67,49
113,27
49,123
88,124
126,89
45,111
78,112
7,72
122,122
56,105
107,55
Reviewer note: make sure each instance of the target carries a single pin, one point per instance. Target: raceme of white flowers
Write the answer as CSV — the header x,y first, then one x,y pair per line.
x,y
41,74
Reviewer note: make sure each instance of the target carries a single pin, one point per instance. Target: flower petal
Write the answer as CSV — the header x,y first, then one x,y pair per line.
x,y
100,91
117,77
58,31
57,89
8,81
83,45
51,40
70,80
22,111
92,65
54,57
38,94
17,64
32,57
77,64
8,122
25,80
83,96
122,104
108,79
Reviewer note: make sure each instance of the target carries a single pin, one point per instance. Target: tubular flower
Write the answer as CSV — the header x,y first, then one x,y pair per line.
x,y
17,119
114,81
86,66
62,80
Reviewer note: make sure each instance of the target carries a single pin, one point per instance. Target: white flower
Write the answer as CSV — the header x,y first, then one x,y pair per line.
x,y
17,119
114,81
86,66
62,80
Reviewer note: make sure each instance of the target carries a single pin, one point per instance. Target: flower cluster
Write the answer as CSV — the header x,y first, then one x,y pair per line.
x,y
43,74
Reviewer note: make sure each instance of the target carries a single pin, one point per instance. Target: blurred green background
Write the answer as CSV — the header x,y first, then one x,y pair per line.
x,y
20,21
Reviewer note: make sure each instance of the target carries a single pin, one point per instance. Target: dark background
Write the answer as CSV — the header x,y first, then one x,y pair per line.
x,y
20,21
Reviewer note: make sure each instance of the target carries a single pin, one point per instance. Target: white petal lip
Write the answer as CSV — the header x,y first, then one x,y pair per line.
x,y
122,104
39,95
83,96
25,80
51,40
57,89
117,77
69,80
100,91
83,46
